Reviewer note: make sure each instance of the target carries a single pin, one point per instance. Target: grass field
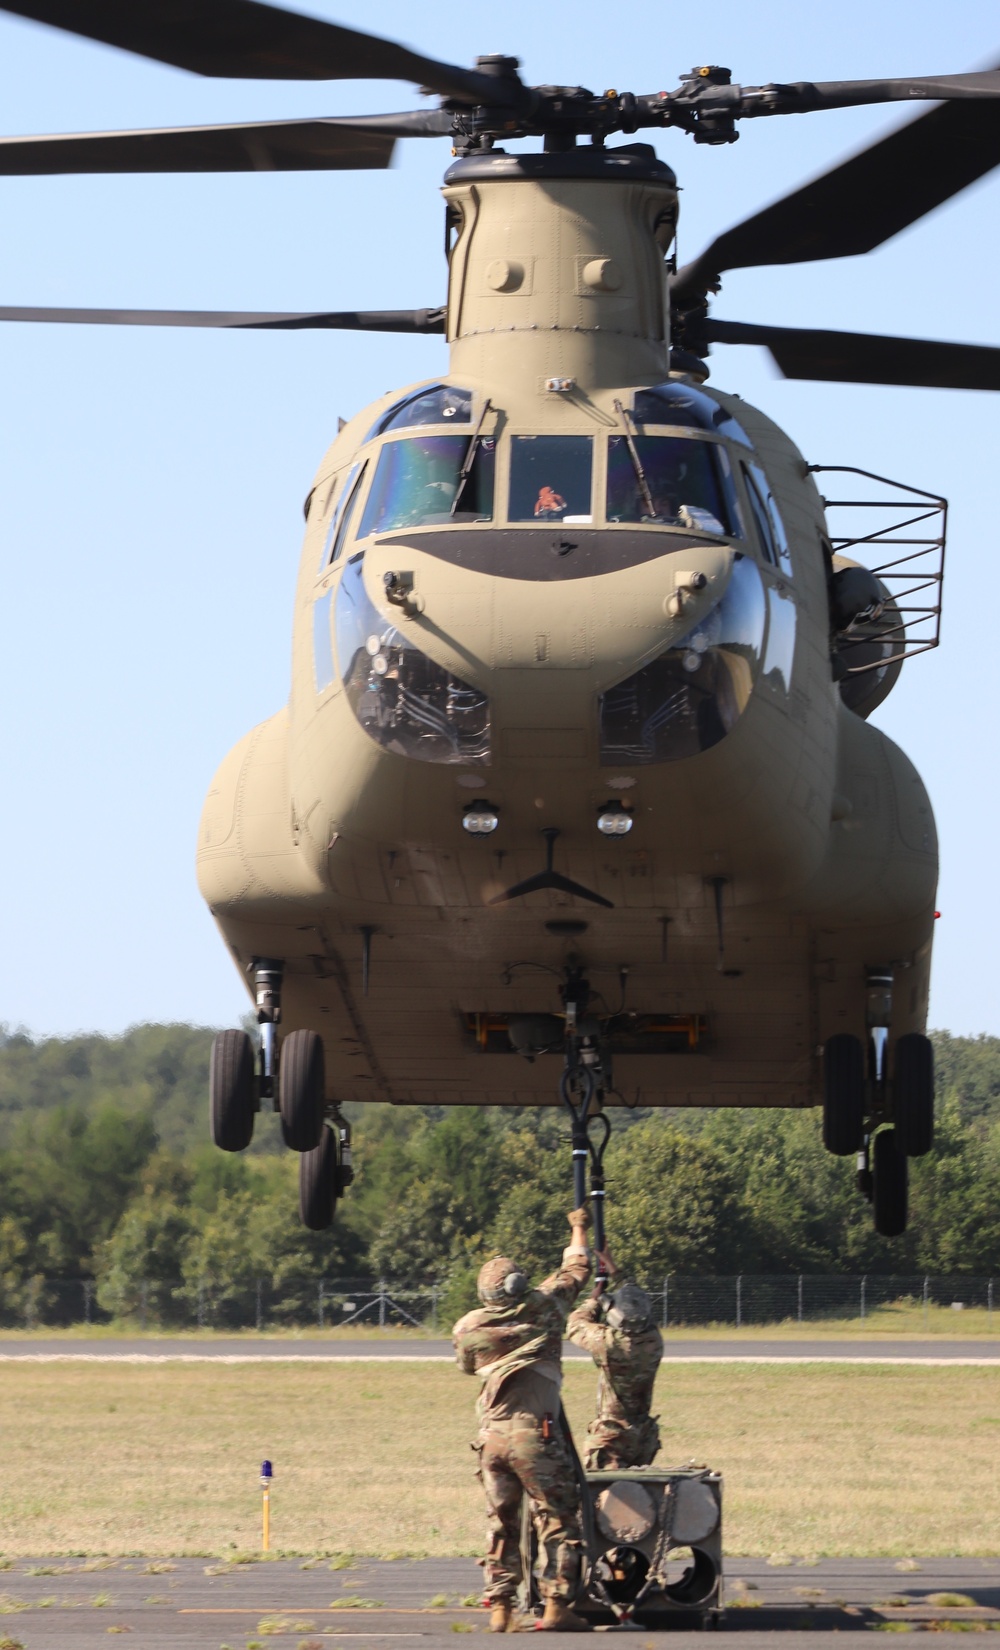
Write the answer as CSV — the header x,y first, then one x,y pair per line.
x,y
375,1459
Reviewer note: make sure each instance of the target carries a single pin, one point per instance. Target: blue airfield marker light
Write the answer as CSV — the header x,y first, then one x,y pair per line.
x,y
266,1475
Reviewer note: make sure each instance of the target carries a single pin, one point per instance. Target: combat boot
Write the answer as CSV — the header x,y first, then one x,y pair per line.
x,y
502,1616
560,1617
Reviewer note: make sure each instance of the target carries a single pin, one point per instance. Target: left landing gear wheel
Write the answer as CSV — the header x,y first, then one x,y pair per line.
x,y
319,1182
232,1101
890,1178
302,1090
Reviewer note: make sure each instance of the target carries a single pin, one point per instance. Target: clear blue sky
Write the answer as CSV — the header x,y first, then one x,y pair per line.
x,y
151,483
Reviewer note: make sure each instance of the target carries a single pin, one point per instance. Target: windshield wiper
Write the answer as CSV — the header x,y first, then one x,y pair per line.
x,y
470,456
640,474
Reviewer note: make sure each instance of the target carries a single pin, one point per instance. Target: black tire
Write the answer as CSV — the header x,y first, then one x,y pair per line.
x,y
843,1094
301,1090
913,1094
232,1103
318,1183
890,1173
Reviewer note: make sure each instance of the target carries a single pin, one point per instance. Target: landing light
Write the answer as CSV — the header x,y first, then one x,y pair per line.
x,y
480,818
614,820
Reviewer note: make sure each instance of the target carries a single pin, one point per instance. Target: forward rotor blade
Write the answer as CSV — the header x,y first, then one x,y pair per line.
x,y
350,320
806,96
245,38
861,203
867,358
255,146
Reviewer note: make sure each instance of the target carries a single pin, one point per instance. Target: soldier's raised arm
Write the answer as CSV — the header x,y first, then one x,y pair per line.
x,y
566,1283
584,1327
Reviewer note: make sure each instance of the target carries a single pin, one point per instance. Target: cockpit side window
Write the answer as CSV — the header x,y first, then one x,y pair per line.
x,y
416,483
767,518
434,404
678,481
340,520
551,478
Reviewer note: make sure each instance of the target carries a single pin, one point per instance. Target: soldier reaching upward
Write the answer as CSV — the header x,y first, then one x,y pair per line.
x,y
626,1346
513,1342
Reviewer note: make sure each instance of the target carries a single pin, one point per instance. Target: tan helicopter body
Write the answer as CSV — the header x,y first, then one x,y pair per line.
x,y
575,761
804,827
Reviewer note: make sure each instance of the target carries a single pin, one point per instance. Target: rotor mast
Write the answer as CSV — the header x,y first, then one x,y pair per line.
x,y
559,261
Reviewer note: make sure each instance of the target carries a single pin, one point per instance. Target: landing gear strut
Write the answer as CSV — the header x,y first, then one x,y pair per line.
x,y
885,1120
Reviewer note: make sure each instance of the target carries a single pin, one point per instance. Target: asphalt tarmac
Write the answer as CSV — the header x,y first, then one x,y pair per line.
x,y
251,1350
198,1604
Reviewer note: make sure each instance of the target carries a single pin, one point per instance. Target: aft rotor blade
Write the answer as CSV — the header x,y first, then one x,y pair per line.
x,y
254,146
867,358
861,203
247,39
349,320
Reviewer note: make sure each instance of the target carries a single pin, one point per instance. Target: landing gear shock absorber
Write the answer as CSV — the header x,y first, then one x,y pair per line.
x,y
267,977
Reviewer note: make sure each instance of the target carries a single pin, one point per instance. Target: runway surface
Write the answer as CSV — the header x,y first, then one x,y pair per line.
x,y
198,1604
249,1349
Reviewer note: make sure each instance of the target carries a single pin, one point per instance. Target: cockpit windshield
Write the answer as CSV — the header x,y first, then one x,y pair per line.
x,y
417,483
550,478
671,481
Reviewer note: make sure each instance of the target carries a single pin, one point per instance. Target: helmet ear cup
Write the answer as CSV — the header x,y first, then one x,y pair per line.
x,y
515,1286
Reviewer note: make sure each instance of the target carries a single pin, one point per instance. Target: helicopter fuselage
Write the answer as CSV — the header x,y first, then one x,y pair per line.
x,y
563,589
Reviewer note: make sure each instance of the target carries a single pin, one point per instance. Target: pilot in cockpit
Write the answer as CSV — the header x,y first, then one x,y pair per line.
x,y
551,506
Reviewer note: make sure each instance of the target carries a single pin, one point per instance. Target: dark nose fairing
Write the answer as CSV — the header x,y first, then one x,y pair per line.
x,y
566,552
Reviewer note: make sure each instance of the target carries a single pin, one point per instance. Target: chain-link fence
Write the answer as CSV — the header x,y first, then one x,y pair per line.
x,y
758,1298
739,1301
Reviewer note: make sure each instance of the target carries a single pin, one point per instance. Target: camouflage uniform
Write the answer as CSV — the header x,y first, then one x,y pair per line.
x,y
624,1434
516,1351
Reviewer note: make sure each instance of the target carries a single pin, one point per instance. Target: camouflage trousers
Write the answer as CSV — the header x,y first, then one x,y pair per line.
x,y
611,1444
515,1460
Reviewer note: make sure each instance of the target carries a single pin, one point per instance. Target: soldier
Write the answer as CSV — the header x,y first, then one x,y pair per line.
x,y
626,1346
513,1342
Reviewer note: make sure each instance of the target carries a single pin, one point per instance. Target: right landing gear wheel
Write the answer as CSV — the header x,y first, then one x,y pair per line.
x,y
232,1102
843,1094
318,1182
302,1090
890,1177
913,1094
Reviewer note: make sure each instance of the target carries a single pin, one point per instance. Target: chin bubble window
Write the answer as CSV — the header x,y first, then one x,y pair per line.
x,y
550,478
671,481
429,482
403,700
689,698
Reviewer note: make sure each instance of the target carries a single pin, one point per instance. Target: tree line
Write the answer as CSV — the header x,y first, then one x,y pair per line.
x,y
106,1174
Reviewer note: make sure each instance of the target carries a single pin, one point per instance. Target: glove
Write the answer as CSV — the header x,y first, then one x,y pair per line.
x,y
579,1217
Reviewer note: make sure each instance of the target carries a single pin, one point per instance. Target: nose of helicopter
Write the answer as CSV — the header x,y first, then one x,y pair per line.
x,y
577,613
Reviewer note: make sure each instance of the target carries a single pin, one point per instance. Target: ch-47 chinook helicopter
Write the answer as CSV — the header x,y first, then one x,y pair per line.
x,y
576,760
